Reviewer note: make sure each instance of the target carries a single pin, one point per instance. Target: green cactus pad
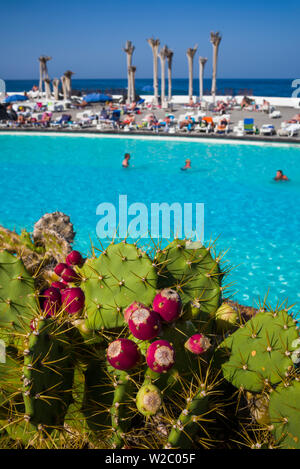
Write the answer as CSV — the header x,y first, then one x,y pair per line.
x,y
107,395
121,275
17,294
184,429
48,375
284,410
11,401
259,353
194,273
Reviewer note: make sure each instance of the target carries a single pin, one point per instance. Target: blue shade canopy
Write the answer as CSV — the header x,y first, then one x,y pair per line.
x,y
97,98
16,97
148,88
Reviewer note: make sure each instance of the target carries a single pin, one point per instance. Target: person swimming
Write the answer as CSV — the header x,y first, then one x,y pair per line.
x,y
125,162
187,165
280,176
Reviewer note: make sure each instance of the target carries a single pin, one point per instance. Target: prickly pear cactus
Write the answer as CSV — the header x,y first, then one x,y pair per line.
x,y
122,274
194,273
284,410
17,297
48,374
258,354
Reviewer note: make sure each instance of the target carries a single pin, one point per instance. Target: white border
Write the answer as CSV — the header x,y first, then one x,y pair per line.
x,y
212,140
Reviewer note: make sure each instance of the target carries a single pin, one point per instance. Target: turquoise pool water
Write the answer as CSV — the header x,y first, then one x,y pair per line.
x,y
254,217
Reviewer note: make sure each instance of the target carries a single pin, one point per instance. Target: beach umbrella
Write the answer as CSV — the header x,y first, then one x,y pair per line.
x,y
97,98
148,88
16,97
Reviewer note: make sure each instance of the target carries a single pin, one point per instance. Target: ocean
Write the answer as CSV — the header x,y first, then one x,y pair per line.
x,y
225,86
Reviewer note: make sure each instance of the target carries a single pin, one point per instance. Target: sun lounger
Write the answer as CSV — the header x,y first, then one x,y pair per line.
x,y
275,114
288,130
267,129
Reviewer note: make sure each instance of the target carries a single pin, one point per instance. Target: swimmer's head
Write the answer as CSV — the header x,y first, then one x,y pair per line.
x,y
127,156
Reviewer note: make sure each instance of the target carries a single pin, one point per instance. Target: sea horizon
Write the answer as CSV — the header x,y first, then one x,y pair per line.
x,y
277,87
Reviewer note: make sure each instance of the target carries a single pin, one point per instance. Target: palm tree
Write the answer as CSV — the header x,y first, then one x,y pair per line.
x,y
170,54
55,84
202,62
43,71
64,87
154,44
163,55
129,48
47,82
132,83
215,39
190,55
68,75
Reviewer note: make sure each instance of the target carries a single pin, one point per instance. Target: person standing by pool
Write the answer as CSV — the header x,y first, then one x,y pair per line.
x,y
280,176
125,162
187,164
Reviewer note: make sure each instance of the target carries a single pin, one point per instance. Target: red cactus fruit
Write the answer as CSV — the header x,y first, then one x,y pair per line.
x,y
198,344
144,324
50,301
167,304
123,354
59,268
160,356
73,300
74,258
131,308
59,285
69,275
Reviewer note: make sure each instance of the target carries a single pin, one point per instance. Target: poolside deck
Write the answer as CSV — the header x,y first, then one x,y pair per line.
x,y
260,118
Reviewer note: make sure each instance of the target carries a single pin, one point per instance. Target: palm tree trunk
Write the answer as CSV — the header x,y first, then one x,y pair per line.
x,y
214,75
215,39
190,61
64,88
132,83
55,84
190,55
47,88
170,59
162,55
202,62
154,44
129,49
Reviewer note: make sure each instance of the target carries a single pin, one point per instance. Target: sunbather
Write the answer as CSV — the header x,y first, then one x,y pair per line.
x,y
245,102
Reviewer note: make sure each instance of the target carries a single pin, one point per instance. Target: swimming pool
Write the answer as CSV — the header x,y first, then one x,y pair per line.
x,y
254,217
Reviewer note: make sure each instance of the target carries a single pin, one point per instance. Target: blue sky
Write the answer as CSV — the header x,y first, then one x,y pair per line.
x,y
260,38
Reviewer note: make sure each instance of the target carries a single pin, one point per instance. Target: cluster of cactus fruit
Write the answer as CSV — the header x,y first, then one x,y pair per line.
x,y
136,349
